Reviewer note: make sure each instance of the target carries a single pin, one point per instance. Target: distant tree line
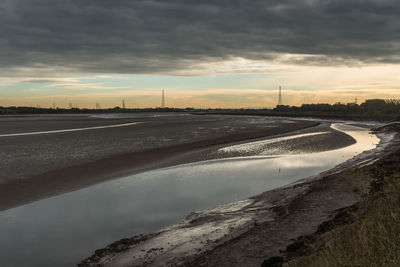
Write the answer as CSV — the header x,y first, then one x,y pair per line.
x,y
376,109
371,108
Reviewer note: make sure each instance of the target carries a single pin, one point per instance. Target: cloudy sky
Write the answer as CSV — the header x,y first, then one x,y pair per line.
x,y
204,53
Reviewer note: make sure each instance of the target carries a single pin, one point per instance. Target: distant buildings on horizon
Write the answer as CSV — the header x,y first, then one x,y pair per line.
x,y
280,103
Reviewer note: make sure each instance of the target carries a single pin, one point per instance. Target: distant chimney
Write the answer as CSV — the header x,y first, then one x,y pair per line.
x,y
163,100
280,97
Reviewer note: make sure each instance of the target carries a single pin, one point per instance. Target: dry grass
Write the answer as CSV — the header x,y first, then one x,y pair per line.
x,y
373,236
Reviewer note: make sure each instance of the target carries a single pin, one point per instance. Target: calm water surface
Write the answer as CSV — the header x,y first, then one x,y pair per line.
x,y
63,230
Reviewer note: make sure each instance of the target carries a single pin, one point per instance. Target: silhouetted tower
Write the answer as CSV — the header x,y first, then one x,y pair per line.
x,y
123,104
280,97
163,100
70,105
355,101
54,105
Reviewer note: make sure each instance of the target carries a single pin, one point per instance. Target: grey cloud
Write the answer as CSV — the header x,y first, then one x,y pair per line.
x,y
154,36
38,81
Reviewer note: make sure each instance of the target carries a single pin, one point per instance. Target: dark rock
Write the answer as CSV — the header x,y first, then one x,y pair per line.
x,y
295,246
273,262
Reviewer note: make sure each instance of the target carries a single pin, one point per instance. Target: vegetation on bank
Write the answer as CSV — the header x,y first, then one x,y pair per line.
x,y
376,109
372,109
366,234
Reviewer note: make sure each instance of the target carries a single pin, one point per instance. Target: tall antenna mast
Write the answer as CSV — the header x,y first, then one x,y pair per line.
x,y
163,100
280,97
123,103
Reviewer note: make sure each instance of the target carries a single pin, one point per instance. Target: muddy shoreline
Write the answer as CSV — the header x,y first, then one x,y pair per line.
x,y
262,226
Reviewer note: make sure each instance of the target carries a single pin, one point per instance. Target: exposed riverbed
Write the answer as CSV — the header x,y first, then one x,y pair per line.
x,y
64,229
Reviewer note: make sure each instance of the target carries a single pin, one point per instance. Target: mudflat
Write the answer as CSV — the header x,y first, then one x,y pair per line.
x,y
42,156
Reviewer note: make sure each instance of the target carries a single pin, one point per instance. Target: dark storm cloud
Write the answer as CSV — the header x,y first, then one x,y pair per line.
x,y
154,36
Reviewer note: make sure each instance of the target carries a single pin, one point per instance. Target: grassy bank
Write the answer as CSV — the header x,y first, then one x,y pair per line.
x,y
366,234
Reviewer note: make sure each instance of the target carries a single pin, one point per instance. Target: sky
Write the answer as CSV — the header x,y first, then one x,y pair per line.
x,y
203,53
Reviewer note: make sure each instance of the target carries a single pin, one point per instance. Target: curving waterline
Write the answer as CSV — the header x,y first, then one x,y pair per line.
x,y
71,130
250,146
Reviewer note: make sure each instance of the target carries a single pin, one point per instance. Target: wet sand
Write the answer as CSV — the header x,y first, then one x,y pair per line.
x,y
42,165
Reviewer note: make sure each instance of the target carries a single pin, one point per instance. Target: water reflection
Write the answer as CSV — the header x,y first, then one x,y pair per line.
x,y
259,146
62,230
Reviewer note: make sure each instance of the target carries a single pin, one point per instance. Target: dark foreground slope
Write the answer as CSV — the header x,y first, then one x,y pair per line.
x,y
364,234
